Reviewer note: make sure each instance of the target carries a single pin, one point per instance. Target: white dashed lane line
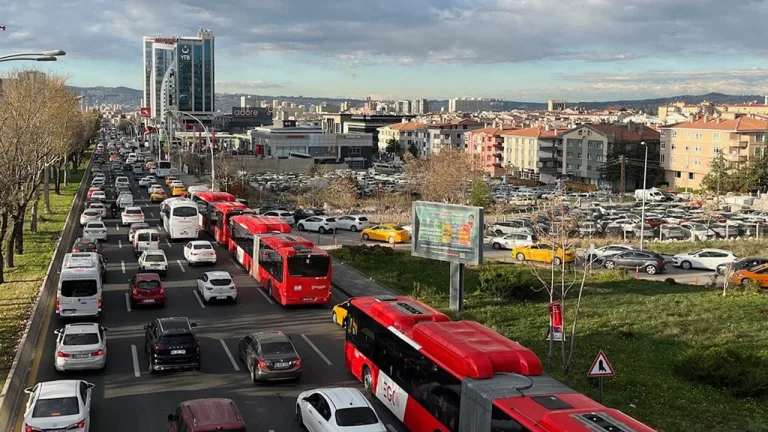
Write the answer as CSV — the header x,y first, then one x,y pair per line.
x,y
317,350
120,244
122,265
135,355
181,266
199,300
127,302
229,354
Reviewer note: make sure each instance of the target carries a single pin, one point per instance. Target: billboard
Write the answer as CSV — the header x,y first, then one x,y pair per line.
x,y
146,112
447,232
249,112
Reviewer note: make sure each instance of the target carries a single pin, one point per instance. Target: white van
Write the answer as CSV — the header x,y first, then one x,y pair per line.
x,y
145,239
80,286
194,189
652,194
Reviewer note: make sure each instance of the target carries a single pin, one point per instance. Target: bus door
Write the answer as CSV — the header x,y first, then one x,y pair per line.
x,y
256,256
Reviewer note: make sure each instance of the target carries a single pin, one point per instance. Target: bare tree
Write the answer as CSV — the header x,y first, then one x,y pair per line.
x,y
443,177
228,169
341,193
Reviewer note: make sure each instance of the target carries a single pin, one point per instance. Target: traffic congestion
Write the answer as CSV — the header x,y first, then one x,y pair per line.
x,y
181,309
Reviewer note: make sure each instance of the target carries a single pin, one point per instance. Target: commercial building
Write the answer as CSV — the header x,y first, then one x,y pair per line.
x,y
179,74
688,148
360,123
556,105
533,153
287,140
474,105
406,134
242,119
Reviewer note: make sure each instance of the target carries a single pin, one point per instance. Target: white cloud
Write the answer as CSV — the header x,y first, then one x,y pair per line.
x,y
17,36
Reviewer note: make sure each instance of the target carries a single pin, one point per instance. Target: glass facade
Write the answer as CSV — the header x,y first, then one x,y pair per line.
x,y
147,73
184,76
163,60
208,75
197,77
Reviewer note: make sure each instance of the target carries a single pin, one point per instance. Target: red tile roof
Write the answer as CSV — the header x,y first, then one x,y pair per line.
x,y
534,132
407,126
741,124
455,122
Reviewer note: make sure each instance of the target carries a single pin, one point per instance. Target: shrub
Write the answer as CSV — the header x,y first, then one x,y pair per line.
x,y
612,275
509,282
352,253
743,374
670,281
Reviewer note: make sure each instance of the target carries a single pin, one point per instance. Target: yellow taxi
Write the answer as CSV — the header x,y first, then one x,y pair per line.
x,y
391,233
758,273
112,157
543,253
158,196
340,313
169,179
178,190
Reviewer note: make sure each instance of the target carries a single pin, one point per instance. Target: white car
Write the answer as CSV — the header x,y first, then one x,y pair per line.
x,y
131,215
98,181
122,180
124,200
336,410
101,208
90,215
704,259
216,285
155,188
99,195
81,346
285,215
175,183
135,227
698,231
321,224
63,405
199,251
154,260
95,230
352,223
146,181
511,241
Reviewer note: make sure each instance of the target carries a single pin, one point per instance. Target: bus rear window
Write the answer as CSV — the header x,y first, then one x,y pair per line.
x,y
79,288
184,212
308,266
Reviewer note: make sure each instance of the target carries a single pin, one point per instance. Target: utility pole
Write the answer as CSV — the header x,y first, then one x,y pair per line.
x,y
622,183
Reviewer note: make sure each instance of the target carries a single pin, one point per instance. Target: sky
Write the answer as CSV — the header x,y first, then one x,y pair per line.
x,y
523,50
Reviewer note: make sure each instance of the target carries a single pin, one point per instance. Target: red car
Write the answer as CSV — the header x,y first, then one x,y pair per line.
x,y
655,222
92,190
146,289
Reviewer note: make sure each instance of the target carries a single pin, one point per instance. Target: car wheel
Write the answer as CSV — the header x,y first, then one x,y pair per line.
x,y
353,228
520,256
745,282
365,236
321,230
367,380
686,265
609,264
253,374
496,245
300,227
334,318
557,261
651,270
391,240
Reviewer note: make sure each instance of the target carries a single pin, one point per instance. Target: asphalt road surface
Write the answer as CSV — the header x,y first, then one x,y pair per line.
x,y
128,399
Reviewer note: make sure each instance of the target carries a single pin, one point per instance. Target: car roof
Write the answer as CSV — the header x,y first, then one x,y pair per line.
x,y
81,328
175,323
343,397
139,225
199,242
147,276
270,336
147,229
134,208
58,389
213,413
218,274
155,252
716,250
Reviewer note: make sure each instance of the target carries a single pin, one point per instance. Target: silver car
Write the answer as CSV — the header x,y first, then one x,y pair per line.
x,y
81,346
95,230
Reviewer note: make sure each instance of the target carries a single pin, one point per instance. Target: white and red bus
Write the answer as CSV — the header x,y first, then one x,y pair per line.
x,y
220,213
438,375
204,201
244,232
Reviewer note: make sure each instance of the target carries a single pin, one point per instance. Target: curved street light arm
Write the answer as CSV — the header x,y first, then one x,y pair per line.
x,y
43,58
208,141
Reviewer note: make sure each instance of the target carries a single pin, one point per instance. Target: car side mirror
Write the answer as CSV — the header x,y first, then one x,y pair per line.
x,y
29,390
193,324
104,328
171,418
57,332
146,327
90,385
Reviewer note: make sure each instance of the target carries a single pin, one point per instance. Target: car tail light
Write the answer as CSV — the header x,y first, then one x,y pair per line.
x,y
97,353
28,428
162,290
158,349
100,302
208,288
78,425
62,354
75,250
297,363
263,364
58,304
233,288
359,222
135,292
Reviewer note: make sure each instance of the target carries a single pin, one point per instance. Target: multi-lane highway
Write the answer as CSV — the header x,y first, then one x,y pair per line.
x,y
128,399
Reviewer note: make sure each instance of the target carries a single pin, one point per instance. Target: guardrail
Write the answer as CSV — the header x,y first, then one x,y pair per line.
x,y
13,392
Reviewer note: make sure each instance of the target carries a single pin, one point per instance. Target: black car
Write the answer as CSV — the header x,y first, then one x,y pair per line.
x,y
649,262
85,245
270,356
302,214
742,264
171,344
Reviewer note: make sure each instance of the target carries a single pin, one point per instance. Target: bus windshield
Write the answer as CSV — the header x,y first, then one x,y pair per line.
x,y
164,165
308,265
184,212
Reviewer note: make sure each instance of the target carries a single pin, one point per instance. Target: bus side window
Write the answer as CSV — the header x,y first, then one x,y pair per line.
x,y
501,422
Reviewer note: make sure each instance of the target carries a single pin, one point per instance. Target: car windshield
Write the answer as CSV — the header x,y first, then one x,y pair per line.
x,y
330,219
148,284
362,219
81,339
133,212
357,416
56,407
396,228
283,347
154,258
96,225
308,265
220,282
202,246
184,212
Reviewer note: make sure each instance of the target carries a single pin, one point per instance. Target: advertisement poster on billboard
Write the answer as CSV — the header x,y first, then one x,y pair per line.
x,y
447,232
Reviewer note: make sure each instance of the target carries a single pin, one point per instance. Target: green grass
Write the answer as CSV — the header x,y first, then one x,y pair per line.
x,y
22,285
643,326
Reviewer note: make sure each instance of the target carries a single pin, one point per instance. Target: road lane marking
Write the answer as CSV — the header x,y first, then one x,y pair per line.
x,y
159,227
199,300
168,242
120,244
317,350
229,354
151,214
264,294
127,302
117,226
181,266
122,264
135,355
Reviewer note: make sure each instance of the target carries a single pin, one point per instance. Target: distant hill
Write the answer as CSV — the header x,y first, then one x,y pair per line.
x,y
131,98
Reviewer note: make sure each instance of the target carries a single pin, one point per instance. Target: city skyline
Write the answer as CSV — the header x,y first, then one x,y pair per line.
x,y
584,50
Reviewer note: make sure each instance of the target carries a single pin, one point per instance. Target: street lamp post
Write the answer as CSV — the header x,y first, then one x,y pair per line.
x,y
33,56
207,140
642,210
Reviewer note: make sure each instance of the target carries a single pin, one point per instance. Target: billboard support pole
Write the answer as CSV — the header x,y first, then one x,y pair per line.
x,y
457,287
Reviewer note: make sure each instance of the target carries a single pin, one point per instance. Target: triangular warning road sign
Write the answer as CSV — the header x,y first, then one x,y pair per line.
x,y
601,367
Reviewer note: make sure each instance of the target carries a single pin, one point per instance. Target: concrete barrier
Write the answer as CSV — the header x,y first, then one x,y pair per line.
x,y
13,392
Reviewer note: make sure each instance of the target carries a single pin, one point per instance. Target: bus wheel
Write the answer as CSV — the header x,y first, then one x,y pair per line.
x,y
367,380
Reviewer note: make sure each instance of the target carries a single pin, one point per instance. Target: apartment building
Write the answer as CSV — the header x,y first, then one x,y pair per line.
x,y
532,153
587,147
406,133
485,146
688,148
449,134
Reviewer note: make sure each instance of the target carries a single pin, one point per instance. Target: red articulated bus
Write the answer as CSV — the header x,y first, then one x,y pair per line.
x,y
203,201
220,213
244,233
438,375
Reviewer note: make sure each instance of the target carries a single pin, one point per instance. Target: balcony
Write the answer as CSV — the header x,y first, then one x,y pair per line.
x,y
736,157
738,144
